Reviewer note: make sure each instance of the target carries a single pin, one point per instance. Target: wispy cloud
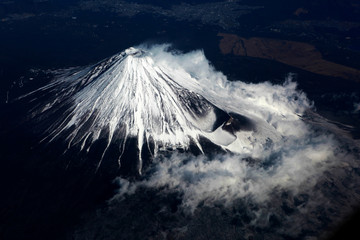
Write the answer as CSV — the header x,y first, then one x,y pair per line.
x,y
283,153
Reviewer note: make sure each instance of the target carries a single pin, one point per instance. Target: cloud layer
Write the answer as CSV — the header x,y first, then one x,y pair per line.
x,y
284,153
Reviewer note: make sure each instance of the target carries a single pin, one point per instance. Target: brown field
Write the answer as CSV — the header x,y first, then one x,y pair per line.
x,y
296,54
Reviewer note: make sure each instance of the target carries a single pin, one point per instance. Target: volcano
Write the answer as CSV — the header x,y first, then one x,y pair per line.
x,y
138,105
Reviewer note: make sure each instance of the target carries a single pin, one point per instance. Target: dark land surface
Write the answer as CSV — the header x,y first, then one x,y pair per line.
x,y
42,199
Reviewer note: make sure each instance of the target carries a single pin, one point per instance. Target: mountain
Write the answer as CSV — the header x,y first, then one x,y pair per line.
x,y
136,107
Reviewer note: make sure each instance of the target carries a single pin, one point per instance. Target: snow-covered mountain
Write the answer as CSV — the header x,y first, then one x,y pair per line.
x,y
135,101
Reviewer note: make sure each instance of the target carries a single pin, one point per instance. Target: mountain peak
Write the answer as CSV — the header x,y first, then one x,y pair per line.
x,y
135,52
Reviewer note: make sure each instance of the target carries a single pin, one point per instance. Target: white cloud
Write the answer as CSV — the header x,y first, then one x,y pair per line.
x,y
287,152
225,178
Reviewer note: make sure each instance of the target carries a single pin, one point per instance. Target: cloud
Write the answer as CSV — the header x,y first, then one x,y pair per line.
x,y
228,177
285,152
